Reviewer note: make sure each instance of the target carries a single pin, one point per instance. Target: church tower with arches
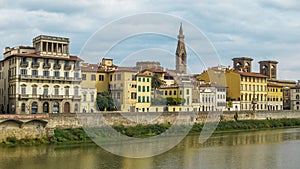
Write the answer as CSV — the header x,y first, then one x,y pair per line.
x,y
181,56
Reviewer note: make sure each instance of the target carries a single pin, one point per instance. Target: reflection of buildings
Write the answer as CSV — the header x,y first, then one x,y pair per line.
x,y
40,79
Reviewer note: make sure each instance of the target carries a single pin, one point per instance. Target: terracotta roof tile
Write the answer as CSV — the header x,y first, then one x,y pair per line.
x,y
252,74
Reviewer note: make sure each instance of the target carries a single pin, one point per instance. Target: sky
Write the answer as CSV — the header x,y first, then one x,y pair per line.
x,y
261,29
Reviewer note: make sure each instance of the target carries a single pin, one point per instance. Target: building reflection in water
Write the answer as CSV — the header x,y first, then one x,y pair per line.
x,y
260,149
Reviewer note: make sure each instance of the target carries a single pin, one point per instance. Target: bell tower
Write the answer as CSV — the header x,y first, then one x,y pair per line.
x,y
242,64
181,57
268,68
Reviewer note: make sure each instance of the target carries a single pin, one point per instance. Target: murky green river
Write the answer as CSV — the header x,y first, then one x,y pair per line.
x,y
260,149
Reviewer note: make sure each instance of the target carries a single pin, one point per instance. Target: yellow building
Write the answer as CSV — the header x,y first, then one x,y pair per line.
x,y
43,78
247,87
275,97
143,83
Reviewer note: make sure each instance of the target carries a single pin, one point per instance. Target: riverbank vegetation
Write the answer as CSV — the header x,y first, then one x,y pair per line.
x,y
78,135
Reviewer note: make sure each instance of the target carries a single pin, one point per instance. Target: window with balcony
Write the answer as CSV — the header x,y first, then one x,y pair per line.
x,y
56,64
46,63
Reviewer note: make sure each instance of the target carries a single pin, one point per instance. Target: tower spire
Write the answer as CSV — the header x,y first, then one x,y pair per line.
x,y
180,36
181,58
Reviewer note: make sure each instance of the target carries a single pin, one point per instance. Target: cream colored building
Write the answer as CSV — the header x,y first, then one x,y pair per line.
x,y
88,91
43,78
295,98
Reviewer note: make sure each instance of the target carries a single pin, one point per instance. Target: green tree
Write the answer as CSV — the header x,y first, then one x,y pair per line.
x,y
174,101
105,102
156,82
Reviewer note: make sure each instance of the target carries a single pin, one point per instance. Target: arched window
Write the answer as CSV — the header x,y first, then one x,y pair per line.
x,y
23,106
297,97
34,108
55,107
46,107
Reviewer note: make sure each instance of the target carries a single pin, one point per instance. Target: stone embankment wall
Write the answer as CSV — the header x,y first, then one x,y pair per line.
x,y
22,126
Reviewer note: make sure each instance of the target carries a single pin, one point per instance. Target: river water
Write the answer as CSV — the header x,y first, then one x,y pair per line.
x,y
259,149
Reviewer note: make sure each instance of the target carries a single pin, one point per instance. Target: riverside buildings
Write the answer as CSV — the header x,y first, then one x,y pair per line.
x,y
45,78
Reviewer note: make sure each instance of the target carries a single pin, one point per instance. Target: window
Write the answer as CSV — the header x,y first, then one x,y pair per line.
x,y
67,91
23,72
180,92
297,97
115,77
84,97
34,90
148,80
56,62
66,74
46,73
23,106
101,77
93,77
143,99
133,95
56,74
166,92
119,76
45,91
175,92
56,90
46,107
148,88
143,79
92,97
76,108
118,95
187,91
23,89
139,79
139,88
76,91
170,92
83,76
133,77
139,99
143,89
34,72
148,99
76,75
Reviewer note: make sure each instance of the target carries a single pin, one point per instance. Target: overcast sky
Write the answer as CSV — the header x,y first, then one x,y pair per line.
x,y
262,29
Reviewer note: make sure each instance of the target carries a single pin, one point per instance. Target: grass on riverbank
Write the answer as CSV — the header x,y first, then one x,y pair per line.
x,y
78,135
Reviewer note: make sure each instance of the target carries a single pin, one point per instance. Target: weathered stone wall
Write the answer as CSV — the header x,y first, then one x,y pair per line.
x,y
22,126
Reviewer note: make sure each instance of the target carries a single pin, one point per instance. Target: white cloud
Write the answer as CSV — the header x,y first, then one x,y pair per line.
x,y
263,29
